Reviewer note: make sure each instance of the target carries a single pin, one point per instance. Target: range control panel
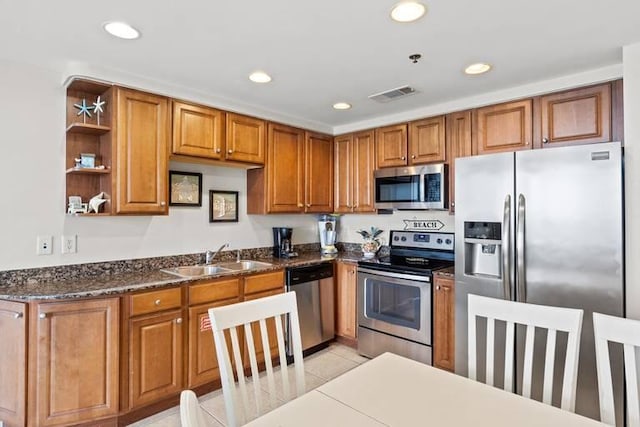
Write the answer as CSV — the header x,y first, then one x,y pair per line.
x,y
422,240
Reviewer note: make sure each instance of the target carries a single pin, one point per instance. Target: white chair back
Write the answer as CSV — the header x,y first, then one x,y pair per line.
x,y
191,414
553,319
243,314
627,332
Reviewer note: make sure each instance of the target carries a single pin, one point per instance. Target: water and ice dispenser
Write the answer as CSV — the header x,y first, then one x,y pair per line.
x,y
483,249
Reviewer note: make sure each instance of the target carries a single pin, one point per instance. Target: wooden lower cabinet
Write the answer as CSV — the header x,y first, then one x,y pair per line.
x,y
444,322
13,363
346,303
74,359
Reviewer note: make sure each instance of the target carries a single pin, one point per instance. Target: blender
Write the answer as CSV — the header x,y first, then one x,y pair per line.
x,y
327,230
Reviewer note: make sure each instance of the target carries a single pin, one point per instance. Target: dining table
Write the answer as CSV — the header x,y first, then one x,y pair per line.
x,y
391,390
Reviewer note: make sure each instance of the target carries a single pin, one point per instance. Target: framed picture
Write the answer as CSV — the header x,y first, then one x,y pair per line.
x,y
223,206
185,188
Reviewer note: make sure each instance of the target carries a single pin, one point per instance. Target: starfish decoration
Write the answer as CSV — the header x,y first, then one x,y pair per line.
x,y
98,106
84,108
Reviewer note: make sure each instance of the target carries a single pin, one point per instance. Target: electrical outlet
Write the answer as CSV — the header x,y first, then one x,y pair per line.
x,y
44,245
68,244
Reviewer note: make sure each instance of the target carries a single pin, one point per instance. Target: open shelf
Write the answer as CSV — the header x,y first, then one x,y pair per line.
x,y
88,129
90,214
88,171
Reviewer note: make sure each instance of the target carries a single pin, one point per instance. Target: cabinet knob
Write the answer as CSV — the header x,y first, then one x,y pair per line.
x,y
42,315
179,320
526,143
162,203
218,150
545,140
437,287
300,205
308,205
157,302
230,152
403,158
17,315
413,156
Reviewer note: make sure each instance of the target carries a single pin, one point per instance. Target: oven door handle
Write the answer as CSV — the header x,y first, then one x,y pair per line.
x,y
395,275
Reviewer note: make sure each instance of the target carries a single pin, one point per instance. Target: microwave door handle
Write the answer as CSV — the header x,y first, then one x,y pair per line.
x,y
506,248
520,244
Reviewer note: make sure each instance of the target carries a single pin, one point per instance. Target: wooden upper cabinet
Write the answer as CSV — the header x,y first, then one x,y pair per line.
x,y
343,160
458,138
285,169
503,127
427,141
142,151
318,173
391,146
198,131
75,356
354,162
578,116
13,363
246,138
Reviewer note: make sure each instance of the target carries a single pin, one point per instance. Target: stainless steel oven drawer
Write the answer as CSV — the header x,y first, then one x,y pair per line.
x,y
372,344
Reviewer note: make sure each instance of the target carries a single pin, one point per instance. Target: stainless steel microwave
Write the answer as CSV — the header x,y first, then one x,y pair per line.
x,y
412,187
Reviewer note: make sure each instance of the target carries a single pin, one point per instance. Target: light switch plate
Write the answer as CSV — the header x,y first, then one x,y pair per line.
x,y
44,245
68,244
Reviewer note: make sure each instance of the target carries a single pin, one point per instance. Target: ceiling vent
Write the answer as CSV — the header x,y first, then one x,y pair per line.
x,y
393,94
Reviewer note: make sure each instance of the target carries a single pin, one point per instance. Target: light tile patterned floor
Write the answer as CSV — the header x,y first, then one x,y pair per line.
x,y
319,368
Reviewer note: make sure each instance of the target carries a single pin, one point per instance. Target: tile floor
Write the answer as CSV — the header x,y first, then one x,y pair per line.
x,y
319,368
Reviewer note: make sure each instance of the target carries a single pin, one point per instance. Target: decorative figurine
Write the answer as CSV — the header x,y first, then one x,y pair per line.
x,y
85,110
98,107
97,201
76,206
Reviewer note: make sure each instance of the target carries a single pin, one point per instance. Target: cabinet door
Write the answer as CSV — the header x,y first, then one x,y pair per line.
x,y
75,346
197,130
155,351
13,363
391,146
427,141
285,169
203,362
502,127
246,138
581,116
271,332
362,168
458,145
343,162
444,326
142,151
318,173
346,325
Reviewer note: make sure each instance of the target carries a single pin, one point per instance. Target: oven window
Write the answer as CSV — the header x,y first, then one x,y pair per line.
x,y
433,185
398,189
392,303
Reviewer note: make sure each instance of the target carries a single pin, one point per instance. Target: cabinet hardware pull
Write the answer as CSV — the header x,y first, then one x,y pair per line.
x,y
413,156
157,302
162,203
438,288
230,151
218,150
308,205
403,158
300,205
545,140
179,320
43,315
17,315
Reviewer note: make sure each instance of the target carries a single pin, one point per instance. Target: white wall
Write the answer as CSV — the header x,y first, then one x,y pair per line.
x,y
631,70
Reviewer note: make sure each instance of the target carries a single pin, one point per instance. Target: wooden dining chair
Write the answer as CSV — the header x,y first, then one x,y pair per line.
x,y
533,316
191,414
229,318
626,332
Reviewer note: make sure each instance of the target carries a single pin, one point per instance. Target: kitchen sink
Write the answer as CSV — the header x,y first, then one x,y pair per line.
x,y
197,270
244,265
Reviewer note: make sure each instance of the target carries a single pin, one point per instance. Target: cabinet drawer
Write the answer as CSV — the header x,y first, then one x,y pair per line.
x,y
264,282
213,291
150,302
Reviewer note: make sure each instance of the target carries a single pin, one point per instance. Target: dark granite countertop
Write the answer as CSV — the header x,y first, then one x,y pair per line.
x,y
446,272
120,283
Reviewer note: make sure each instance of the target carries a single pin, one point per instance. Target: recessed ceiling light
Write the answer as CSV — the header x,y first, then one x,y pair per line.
x,y
477,68
260,77
341,106
121,30
407,11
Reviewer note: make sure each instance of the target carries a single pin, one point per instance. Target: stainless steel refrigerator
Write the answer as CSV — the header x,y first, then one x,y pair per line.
x,y
543,227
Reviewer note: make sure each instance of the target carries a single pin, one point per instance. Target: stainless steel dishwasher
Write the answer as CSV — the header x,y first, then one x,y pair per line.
x,y
314,290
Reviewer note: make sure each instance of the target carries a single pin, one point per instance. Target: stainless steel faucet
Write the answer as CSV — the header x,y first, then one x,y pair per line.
x,y
210,255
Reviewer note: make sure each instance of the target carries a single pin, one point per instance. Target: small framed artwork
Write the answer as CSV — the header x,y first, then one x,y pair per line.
x,y
223,206
185,188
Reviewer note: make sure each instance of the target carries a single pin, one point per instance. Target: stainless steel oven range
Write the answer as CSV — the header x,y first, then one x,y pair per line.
x,y
394,295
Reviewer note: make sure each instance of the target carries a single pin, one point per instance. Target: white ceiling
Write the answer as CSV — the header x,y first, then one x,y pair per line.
x,y
324,51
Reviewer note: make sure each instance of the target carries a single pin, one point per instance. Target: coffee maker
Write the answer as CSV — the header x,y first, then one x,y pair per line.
x,y
282,247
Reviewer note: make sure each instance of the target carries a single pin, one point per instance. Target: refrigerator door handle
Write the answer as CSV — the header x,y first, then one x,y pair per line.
x,y
520,243
506,248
